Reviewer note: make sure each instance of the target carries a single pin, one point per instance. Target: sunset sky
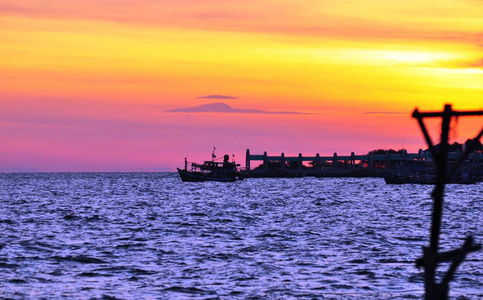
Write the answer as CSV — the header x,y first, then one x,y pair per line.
x,y
138,85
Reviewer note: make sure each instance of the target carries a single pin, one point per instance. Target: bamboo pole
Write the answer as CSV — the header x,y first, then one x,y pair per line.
x,y
431,257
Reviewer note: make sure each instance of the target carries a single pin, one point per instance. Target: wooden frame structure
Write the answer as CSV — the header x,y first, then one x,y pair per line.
x,y
440,290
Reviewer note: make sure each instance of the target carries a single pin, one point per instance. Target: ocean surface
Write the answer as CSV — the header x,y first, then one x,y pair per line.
x,y
150,236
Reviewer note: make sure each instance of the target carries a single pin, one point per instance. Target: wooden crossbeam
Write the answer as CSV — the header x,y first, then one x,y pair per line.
x,y
431,257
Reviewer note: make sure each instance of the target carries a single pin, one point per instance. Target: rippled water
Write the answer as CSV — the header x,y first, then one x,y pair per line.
x,y
148,235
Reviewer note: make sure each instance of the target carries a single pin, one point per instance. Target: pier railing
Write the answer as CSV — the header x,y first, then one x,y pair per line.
x,y
367,164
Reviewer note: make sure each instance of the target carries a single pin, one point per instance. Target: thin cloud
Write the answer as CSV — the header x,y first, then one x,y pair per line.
x,y
462,64
476,64
225,108
14,9
384,113
456,64
219,97
308,19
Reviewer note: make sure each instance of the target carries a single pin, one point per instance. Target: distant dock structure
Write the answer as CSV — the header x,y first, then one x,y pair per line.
x,y
368,165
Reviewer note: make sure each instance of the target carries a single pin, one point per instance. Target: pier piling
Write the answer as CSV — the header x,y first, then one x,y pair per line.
x,y
367,165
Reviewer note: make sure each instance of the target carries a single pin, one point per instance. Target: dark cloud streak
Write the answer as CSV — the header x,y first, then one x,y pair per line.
x,y
219,107
220,97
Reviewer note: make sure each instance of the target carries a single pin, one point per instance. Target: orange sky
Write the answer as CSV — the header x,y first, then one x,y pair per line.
x,y
85,85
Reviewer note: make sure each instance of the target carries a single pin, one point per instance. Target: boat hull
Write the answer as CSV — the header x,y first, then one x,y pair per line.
x,y
188,176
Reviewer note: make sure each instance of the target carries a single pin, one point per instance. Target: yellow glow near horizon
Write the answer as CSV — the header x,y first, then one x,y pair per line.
x,y
411,57
355,65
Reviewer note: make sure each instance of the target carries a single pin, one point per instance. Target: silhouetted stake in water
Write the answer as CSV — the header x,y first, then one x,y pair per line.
x,y
431,257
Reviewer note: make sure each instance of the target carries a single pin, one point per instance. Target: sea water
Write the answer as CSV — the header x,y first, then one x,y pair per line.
x,y
151,236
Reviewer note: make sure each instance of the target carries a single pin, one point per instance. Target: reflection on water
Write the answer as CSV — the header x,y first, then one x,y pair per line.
x,y
147,235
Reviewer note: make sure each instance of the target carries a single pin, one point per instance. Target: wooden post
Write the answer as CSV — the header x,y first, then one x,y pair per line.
x,y
282,161
265,161
353,160
334,161
431,257
247,160
299,165
388,161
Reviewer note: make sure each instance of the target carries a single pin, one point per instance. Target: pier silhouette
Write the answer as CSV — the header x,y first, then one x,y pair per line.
x,y
374,164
